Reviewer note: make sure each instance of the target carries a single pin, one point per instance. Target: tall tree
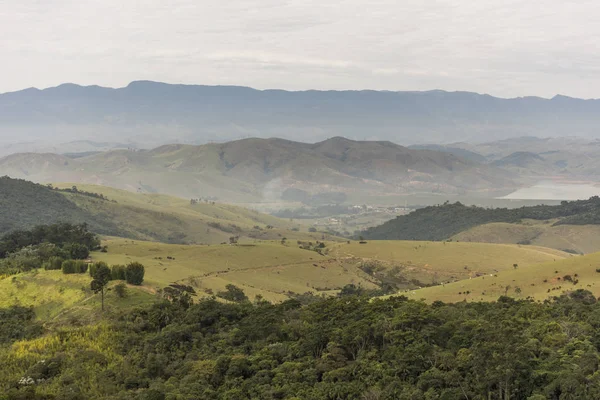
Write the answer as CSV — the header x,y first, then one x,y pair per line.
x,y
100,279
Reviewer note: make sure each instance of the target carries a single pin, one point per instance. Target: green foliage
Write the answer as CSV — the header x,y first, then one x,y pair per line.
x,y
78,251
63,235
74,267
121,290
134,273
54,263
443,221
118,273
18,323
338,348
233,293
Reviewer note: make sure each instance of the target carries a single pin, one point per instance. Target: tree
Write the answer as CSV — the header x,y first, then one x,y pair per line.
x,y
134,273
78,251
101,277
233,293
518,290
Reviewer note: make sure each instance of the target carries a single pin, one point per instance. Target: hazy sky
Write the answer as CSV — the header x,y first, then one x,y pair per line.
x,y
502,47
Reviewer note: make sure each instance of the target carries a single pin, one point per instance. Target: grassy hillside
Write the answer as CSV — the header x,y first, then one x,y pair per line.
x,y
55,296
139,216
581,239
272,270
539,281
447,221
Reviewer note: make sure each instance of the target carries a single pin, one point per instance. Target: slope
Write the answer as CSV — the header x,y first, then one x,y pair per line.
x,y
276,271
448,221
539,282
255,170
150,217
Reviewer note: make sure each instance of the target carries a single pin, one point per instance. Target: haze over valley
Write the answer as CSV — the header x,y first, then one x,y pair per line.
x,y
266,200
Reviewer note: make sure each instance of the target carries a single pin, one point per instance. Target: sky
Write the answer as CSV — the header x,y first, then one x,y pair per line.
x,y
506,48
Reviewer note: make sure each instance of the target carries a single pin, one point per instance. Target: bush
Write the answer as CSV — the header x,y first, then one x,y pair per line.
x,y
233,293
81,267
78,251
121,290
117,273
68,267
134,273
312,229
54,263
74,267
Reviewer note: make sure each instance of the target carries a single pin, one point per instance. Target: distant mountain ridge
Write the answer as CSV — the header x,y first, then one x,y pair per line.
x,y
147,114
258,170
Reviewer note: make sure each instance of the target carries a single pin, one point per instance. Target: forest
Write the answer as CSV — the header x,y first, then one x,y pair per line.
x,y
346,347
443,221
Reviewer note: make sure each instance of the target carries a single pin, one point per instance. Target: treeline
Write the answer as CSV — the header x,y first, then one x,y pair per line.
x,y
443,221
45,246
349,348
76,190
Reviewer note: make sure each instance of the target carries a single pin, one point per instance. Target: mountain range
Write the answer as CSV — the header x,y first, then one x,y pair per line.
x,y
266,170
147,114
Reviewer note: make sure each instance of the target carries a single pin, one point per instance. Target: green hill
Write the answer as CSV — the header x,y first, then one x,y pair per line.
x,y
152,217
451,221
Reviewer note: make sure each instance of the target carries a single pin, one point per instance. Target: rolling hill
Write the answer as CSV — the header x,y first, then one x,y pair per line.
x,y
540,282
260,170
273,270
568,226
146,113
138,216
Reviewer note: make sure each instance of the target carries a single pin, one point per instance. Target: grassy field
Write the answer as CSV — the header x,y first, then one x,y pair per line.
x,y
539,281
266,268
56,296
578,238
274,270
278,271
174,220
435,262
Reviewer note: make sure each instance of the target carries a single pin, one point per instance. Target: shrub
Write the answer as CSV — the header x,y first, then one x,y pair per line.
x,y
121,290
68,267
233,293
134,273
54,263
94,267
78,251
81,267
74,267
118,273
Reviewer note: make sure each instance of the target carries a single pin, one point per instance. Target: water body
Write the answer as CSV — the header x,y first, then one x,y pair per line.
x,y
555,191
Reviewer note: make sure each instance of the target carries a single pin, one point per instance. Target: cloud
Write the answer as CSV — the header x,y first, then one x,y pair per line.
x,y
507,48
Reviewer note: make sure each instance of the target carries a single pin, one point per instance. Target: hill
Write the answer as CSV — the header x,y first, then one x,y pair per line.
x,y
272,270
446,221
278,271
139,216
145,113
540,282
261,170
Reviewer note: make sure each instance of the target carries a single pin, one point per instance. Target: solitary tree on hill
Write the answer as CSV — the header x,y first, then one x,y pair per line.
x,y
100,279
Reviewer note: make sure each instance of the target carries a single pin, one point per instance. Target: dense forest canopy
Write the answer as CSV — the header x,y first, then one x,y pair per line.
x,y
443,221
340,348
